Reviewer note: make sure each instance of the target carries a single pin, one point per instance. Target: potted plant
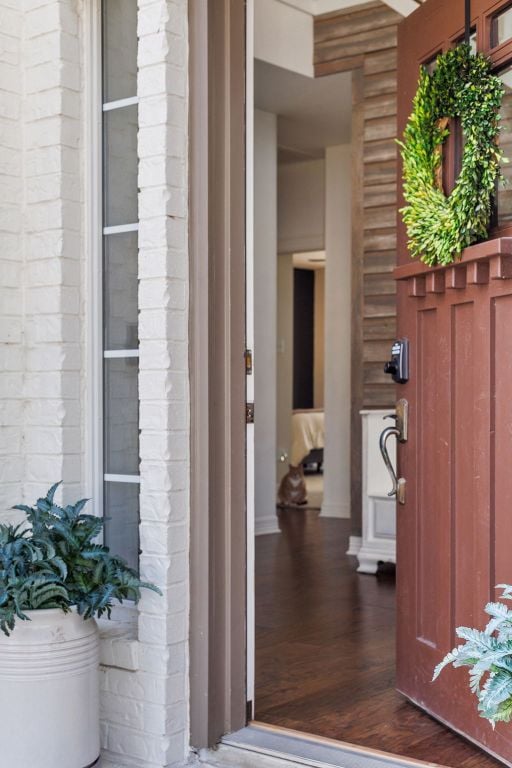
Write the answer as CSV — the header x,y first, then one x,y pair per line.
x,y
488,654
54,579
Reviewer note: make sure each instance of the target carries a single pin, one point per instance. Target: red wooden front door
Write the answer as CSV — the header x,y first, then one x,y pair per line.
x,y
455,528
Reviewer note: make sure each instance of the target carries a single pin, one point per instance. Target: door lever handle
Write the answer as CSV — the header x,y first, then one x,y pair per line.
x,y
385,434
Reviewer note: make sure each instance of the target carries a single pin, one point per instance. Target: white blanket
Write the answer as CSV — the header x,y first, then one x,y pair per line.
x,y
307,433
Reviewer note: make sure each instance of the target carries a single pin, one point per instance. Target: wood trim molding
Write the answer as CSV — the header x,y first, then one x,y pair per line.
x,y
217,316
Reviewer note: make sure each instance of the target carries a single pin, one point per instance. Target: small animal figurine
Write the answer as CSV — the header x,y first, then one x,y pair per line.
x,y
292,489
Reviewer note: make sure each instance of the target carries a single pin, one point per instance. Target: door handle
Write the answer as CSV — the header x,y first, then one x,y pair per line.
x,y
400,431
385,434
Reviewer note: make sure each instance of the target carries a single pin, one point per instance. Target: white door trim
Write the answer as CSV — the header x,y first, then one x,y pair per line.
x,y
249,335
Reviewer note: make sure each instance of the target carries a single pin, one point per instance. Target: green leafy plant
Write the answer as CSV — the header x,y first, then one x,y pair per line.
x,y
462,85
56,562
489,656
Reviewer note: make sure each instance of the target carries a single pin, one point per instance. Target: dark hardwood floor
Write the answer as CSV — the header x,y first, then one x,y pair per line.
x,y
325,647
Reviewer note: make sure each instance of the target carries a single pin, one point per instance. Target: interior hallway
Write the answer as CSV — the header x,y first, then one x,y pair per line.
x,y
325,647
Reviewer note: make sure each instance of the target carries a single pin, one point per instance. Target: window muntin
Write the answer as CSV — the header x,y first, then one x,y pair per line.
x,y
120,283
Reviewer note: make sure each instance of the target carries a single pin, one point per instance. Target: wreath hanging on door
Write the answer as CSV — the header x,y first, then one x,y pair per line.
x,y
462,85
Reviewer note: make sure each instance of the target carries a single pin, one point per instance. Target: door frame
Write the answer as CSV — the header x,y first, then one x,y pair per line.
x,y
221,625
221,554
217,331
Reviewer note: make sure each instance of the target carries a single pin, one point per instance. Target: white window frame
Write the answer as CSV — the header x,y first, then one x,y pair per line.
x,y
94,234
94,254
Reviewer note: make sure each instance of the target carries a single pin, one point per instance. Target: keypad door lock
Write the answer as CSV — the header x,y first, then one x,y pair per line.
x,y
398,366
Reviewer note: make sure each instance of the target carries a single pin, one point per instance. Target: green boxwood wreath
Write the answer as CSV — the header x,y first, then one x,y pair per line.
x,y
462,85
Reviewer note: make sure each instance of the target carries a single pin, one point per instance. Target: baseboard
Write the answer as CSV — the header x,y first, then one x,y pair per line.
x,y
337,509
264,525
354,545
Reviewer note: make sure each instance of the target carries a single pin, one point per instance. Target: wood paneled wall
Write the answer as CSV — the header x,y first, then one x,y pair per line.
x,y
363,39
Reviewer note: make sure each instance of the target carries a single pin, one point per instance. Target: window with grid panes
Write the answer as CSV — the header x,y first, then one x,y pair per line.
x,y
121,480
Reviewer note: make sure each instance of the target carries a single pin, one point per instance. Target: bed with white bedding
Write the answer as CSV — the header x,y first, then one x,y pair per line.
x,y
308,434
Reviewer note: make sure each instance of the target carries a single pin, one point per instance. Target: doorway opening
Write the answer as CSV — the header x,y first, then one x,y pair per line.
x,y
323,302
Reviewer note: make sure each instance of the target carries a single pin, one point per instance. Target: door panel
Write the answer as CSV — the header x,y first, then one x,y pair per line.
x,y
455,529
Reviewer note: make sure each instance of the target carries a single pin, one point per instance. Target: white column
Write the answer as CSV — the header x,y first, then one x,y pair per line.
x,y
265,319
337,332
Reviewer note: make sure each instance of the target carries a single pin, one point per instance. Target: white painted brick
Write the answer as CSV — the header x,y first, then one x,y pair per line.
x,y
49,300
155,324
11,385
49,328
10,78
42,469
57,15
10,164
11,469
10,106
10,274
168,263
49,187
47,243
11,21
162,415
11,358
49,131
60,213
162,140
52,440
153,18
52,413
162,476
10,440
11,330
163,109
48,385
47,160
10,219
9,50
160,385
153,172
43,48
63,357
52,74
164,508
167,446
9,134
53,271
163,293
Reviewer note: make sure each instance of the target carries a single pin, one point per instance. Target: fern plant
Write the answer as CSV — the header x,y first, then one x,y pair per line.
x,y
56,562
489,656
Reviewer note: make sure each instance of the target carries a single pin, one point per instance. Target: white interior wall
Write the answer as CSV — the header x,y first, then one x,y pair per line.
x,y
301,206
265,319
284,360
283,36
338,212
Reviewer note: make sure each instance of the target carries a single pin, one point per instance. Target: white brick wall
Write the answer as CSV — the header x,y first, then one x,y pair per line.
x,y
40,246
43,315
11,256
155,706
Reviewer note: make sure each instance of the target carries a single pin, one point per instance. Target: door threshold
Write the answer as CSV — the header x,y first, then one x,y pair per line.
x,y
317,751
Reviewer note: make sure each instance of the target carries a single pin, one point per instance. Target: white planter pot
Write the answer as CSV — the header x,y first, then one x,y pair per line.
x,y
49,692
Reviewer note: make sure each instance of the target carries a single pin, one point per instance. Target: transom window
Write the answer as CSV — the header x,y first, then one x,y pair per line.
x,y
120,352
